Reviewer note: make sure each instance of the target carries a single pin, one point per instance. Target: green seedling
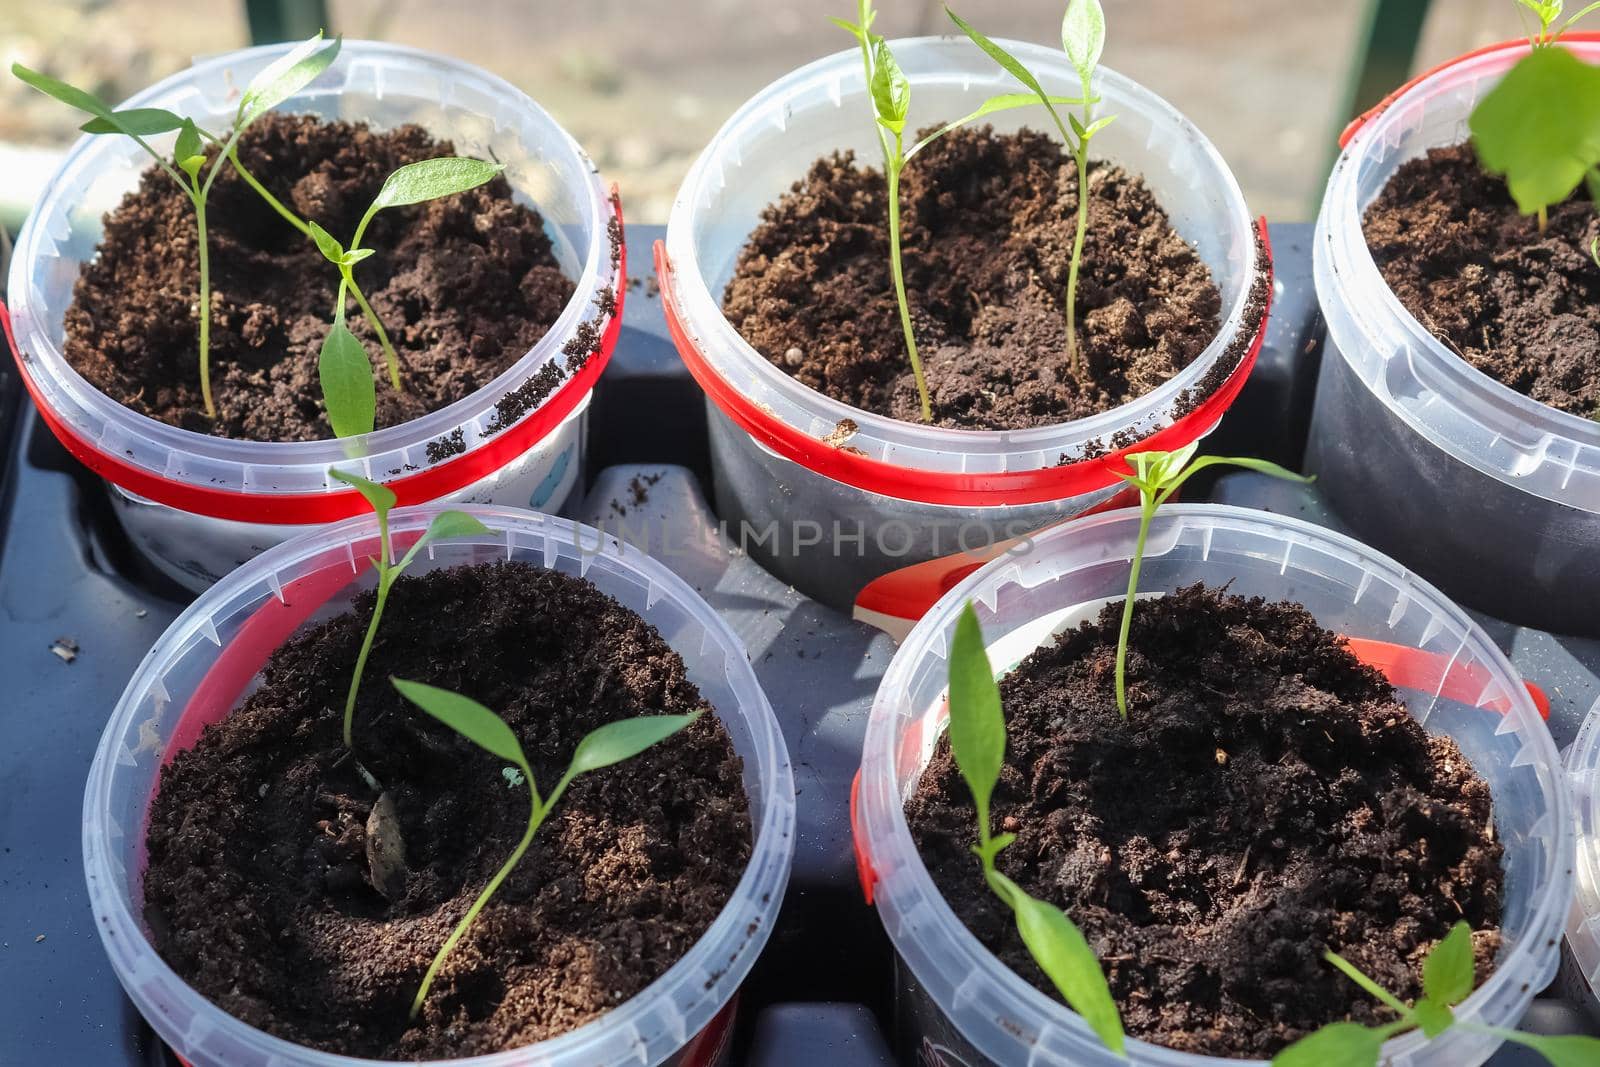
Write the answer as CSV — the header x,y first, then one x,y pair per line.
x,y
1447,978
610,744
189,167
1083,37
342,366
1539,127
978,742
890,91
1157,476
445,524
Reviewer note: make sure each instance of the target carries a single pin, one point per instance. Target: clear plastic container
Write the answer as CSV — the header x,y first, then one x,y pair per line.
x,y
213,653
176,489
1581,958
1487,492
768,452
956,994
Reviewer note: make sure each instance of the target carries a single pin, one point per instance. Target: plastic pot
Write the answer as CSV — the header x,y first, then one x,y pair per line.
x,y
900,493
198,505
1485,491
1580,961
953,994
207,659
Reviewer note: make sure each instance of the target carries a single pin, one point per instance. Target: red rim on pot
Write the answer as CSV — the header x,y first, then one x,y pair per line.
x,y
771,141
287,483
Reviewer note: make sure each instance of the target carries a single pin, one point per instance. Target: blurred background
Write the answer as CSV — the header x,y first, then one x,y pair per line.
x,y
643,85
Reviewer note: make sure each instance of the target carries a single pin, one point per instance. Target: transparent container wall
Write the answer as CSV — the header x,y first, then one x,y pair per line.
x,y
816,112
1462,688
384,91
211,657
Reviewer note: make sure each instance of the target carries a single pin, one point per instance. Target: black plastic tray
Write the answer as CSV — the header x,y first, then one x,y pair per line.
x,y
68,579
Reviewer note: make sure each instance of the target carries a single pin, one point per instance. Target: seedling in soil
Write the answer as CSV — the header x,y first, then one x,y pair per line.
x,y
609,744
1540,126
342,367
1083,37
1447,978
1157,476
890,91
188,168
978,742
445,524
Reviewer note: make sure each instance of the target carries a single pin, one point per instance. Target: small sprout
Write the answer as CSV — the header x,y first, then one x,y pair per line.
x,y
512,776
1539,127
275,83
607,745
1157,476
890,92
978,742
445,524
342,367
1447,977
1083,38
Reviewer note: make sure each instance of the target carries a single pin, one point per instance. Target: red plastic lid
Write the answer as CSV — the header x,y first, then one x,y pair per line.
x,y
302,508
947,487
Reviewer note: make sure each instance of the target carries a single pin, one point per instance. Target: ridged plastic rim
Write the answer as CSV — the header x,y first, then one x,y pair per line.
x,y
747,372
1347,276
718,962
915,902
80,407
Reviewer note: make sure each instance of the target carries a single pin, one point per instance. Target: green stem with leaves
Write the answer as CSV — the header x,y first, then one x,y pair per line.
x,y
1158,476
603,747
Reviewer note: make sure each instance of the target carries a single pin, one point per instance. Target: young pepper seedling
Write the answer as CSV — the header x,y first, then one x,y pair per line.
x,y
890,92
276,82
1447,977
1157,476
978,743
602,747
342,366
445,524
1083,38
1539,127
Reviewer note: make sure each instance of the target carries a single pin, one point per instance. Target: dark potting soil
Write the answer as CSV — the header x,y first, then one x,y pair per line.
x,y
464,286
1519,305
1268,798
988,222
259,892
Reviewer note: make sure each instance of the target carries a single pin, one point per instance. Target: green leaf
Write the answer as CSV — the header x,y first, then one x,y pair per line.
x,y
1570,1050
430,179
1432,1016
1447,971
446,524
1540,127
188,151
380,497
144,121
1335,1045
1010,63
327,243
891,90
284,77
1083,35
1061,952
466,717
618,741
348,390
1097,125
977,725
72,96
354,256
